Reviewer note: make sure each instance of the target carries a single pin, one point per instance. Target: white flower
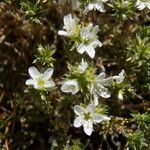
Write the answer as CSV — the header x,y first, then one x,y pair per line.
x,y
87,117
82,66
39,80
70,25
89,40
99,87
70,86
119,78
100,84
141,4
95,5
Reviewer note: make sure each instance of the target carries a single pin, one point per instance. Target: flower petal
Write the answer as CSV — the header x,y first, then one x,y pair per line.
x,y
95,97
82,66
64,33
141,6
88,127
99,118
107,81
30,82
90,108
78,122
49,84
78,110
96,43
70,86
103,92
90,51
95,30
68,20
100,7
101,76
33,72
119,78
81,48
48,73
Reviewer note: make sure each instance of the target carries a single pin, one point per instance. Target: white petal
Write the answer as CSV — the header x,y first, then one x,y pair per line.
x,y
48,73
49,84
90,108
88,127
96,43
33,72
95,97
37,87
84,32
78,122
141,6
101,76
78,110
107,81
64,33
95,29
70,86
90,7
30,82
99,118
119,78
100,7
82,66
81,48
90,51
68,20
103,92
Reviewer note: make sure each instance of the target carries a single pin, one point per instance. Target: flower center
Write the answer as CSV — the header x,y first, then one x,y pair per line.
x,y
41,82
87,116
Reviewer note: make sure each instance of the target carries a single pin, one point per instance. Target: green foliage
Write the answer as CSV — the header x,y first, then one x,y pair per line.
x,y
139,51
32,10
140,138
45,55
76,145
123,9
140,47
136,141
143,120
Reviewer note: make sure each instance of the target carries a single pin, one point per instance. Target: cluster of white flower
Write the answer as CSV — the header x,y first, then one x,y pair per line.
x,y
97,88
87,35
86,40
